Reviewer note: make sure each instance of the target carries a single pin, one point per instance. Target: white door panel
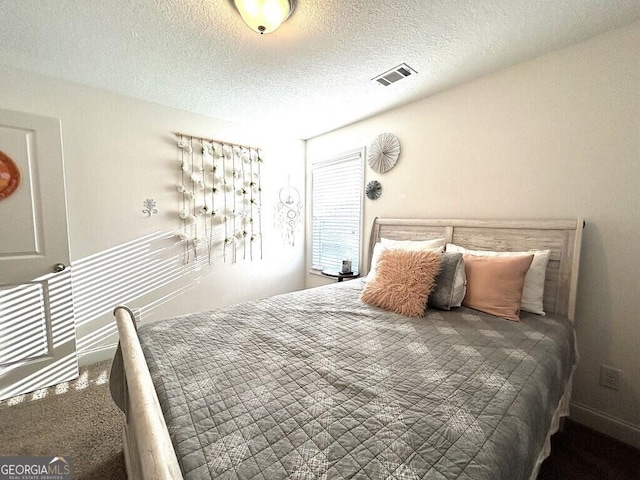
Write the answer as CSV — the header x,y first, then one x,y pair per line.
x,y
24,238
37,327
33,233
23,321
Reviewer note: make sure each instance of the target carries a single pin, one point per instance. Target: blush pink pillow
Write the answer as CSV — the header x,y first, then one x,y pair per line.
x,y
494,284
403,281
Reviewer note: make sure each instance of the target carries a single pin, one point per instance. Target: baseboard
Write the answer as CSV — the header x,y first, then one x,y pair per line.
x,y
89,357
604,423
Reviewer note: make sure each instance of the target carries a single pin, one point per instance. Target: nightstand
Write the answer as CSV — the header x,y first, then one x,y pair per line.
x,y
338,275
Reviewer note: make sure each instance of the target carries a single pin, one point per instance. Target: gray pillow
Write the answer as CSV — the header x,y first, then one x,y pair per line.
x,y
447,294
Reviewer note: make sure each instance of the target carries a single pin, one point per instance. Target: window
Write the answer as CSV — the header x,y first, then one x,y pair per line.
x,y
336,209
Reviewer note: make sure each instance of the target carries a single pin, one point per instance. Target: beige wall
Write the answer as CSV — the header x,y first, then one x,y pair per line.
x,y
118,152
555,137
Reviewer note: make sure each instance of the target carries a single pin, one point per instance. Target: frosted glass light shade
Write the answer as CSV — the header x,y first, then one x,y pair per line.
x,y
264,16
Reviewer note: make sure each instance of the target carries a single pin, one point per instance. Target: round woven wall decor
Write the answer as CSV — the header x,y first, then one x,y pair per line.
x,y
384,152
373,190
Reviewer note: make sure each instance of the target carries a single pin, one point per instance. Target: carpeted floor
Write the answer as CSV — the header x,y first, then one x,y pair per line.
x,y
79,419
76,418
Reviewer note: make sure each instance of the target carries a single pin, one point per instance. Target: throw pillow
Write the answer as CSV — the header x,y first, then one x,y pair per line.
x,y
445,294
533,292
403,282
494,284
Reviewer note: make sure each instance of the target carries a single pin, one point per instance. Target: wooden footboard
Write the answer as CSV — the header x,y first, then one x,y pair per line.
x,y
149,452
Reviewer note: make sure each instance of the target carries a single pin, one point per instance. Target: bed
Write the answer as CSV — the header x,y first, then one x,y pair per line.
x,y
318,384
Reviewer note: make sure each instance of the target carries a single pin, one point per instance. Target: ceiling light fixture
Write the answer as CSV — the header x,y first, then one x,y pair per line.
x,y
264,16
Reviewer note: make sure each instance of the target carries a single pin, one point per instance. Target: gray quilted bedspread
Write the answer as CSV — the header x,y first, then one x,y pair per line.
x,y
317,385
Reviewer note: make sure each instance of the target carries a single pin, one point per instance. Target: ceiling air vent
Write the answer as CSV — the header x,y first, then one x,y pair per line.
x,y
397,73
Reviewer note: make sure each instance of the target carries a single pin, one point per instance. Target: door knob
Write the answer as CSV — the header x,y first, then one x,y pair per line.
x,y
59,267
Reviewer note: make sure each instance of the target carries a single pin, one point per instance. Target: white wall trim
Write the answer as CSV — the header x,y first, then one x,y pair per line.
x,y
614,427
89,357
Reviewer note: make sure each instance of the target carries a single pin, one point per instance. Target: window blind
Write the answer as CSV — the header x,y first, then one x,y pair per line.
x,y
336,196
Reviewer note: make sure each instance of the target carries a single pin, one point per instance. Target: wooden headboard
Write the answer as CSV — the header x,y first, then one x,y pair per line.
x,y
562,237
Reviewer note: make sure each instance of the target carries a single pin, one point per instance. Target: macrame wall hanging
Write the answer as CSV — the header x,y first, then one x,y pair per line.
x,y
220,199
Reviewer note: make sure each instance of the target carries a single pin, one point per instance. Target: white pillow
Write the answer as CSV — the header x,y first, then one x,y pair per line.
x,y
533,292
414,244
436,245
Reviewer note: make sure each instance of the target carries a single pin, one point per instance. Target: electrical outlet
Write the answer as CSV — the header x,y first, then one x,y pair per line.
x,y
610,377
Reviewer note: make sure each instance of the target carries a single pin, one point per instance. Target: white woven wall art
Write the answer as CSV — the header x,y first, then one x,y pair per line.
x,y
383,152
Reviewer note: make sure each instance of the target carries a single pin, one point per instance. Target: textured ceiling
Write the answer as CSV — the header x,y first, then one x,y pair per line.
x,y
310,76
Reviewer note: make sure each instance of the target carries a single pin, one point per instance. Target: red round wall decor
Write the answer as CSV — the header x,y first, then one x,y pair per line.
x,y
9,176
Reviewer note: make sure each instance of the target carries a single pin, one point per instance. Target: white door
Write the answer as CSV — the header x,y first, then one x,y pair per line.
x,y
37,329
